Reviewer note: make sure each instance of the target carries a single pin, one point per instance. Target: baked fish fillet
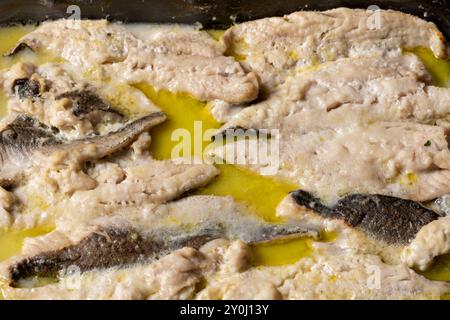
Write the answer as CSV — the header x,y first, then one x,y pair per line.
x,y
378,128
126,239
393,220
277,47
167,60
25,137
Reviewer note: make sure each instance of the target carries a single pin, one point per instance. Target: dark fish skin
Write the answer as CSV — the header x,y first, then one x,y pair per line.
x,y
20,139
390,219
19,48
114,246
24,135
26,88
102,249
86,101
107,248
117,140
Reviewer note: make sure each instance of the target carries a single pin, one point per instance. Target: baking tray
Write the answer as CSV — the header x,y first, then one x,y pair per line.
x,y
211,14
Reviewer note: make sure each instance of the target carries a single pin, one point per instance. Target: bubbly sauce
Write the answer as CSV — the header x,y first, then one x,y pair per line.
x,y
260,194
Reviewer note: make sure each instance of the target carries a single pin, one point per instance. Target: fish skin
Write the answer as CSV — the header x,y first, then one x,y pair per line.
x,y
27,134
443,205
101,249
117,140
21,46
26,88
86,102
20,139
393,220
111,246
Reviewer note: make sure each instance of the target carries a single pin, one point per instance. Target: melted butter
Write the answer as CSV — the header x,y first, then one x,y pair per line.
x,y
3,104
122,98
440,270
438,68
9,36
445,296
286,251
262,194
11,241
182,111
408,179
35,282
216,34
281,252
329,236
238,50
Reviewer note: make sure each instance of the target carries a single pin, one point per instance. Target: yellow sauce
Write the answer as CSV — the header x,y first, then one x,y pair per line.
x,y
281,252
262,194
216,34
440,270
237,50
9,36
11,241
439,68
3,104
182,111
